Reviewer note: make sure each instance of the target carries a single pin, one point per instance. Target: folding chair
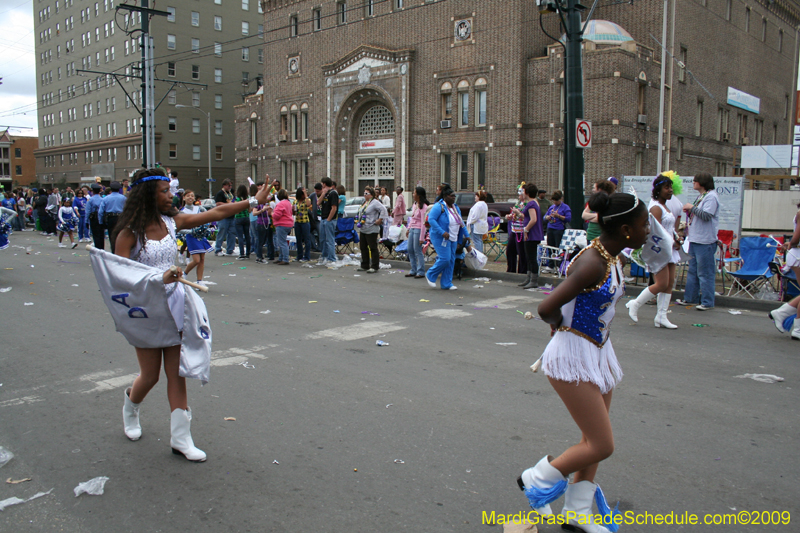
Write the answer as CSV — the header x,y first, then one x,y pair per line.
x,y
724,240
755,255
428,250
401,251
346,236
561,254
491,243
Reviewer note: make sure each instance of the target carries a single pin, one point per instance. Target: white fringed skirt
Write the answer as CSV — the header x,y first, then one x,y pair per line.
x,y
571,358
793,258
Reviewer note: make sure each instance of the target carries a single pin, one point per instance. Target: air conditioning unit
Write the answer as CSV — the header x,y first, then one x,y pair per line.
x,y
283,138
745,141
726,136
642,119
445,124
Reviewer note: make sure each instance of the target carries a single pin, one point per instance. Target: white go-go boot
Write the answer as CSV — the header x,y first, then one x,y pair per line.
x,y
181,441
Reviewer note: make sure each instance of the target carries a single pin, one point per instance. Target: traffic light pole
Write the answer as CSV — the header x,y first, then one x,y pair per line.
x,y
574,180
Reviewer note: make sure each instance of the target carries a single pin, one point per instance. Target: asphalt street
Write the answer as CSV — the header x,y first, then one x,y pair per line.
x,y
333,433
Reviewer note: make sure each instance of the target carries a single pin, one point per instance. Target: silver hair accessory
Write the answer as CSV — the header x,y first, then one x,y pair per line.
x,y
631,191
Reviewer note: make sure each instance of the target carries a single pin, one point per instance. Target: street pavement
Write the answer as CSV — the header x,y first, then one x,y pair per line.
x,y
333,433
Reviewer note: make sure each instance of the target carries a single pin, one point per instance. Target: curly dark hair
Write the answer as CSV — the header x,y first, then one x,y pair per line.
x,y
140,208
659,183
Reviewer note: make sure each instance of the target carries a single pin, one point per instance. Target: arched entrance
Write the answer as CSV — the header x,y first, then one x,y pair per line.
x,y
374,148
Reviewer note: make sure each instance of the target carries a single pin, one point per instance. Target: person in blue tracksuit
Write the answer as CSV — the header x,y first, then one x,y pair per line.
x,y
447,229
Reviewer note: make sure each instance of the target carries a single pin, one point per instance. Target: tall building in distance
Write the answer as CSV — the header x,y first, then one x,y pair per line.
x,y
401,92
208,54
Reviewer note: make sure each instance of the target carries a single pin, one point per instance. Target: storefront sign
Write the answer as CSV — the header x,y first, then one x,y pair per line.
x,y
743,100
375,145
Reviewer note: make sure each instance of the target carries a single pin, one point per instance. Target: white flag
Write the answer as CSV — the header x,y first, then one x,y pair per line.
x,y
657,251
136,297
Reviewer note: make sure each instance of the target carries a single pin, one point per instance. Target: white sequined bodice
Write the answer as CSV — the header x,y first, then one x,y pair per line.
x,y
667,218
158,254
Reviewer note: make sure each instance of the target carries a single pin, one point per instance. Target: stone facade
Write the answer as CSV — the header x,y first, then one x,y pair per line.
x,y
361,96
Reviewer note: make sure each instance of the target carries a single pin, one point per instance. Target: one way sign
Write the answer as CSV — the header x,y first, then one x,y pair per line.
x,y
583,133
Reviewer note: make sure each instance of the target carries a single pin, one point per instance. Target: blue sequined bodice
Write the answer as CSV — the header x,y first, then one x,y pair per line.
x,y
590,314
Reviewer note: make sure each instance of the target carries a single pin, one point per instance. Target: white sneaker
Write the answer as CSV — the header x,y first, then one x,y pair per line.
x,y
453,288
430,283
62,245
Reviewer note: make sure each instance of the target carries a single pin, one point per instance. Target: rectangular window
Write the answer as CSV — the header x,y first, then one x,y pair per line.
x,y
217,75
218,23
173,123
195,125
218,127
698,120
245,28
399,4
195,99
682,65
294,127
253,133
217,101
218,49
638,163
446,165
260,55
764,30
218,2
780,41
728,9
316,19
642,102
480,170
245,53
304,125
196,46
196,152
463,108
293,26
759,131
369,8
218,153
341,12
284,126
170,69
195,18
679,148
173,151
195,72
170,42
170,17
747,20
480,107
245,5
172,97
463,171
447,106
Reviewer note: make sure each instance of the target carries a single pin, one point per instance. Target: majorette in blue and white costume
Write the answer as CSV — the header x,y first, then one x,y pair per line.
x,y
197,238
581,351
5,227
67,219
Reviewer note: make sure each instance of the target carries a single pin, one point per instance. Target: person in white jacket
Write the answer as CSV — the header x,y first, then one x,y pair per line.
x,y
477,222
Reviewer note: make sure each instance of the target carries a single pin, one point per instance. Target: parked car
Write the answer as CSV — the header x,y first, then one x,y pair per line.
x,y
208,203
351,206
465,201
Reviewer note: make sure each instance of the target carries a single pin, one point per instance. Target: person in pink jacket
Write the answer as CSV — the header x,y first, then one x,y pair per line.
x,y
399,211
284,222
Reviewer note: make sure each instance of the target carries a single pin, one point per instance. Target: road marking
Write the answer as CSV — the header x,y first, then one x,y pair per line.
x,y
21,401
508,302
446,314
237,356
112,383
357,331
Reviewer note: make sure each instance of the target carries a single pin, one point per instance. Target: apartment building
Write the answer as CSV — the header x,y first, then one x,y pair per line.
x,y
17,161
472,93
207,55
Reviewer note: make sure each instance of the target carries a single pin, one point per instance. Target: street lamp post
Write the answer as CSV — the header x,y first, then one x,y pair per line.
x,y
208,119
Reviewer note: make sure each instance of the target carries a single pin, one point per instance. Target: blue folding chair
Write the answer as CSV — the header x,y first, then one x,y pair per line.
x,y
346,236
755,255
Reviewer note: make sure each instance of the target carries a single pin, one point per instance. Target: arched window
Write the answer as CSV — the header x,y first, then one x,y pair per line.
x,y
480,102
284,123
377,121
447,102
304,121
463,103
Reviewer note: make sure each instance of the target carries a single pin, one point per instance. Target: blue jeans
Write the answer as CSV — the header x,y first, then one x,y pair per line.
x,y
477,240
415,254
281,232
445,262
225,231
701,275
253,232
302,230
242,225
327,235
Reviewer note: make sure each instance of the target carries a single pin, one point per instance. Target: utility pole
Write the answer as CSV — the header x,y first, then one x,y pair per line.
x,y
569,12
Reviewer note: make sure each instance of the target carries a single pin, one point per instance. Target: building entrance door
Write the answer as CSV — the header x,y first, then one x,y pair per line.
x,y
376,170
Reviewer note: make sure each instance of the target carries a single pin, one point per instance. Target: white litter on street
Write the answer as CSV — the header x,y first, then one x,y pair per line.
x,y
8,502
763,378
93,487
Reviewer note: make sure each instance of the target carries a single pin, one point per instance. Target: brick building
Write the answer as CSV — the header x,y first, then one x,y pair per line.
x,y
405,92
17,160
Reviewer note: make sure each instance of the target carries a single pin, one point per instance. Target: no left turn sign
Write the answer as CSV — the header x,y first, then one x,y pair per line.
x,y
583,133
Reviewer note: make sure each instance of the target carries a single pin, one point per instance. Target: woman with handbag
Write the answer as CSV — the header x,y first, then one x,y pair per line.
x,y
447,229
